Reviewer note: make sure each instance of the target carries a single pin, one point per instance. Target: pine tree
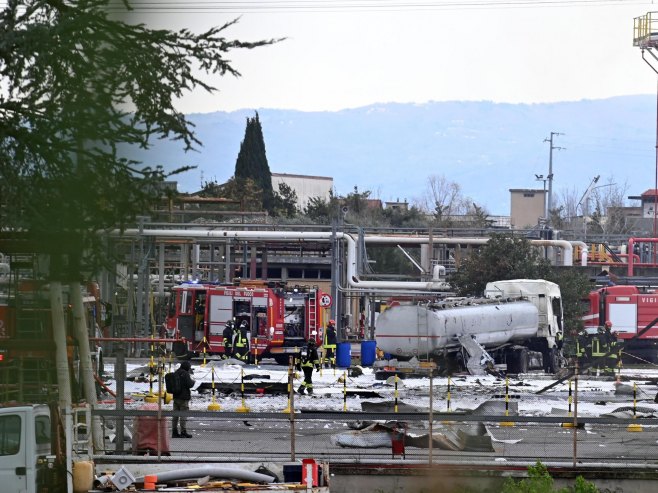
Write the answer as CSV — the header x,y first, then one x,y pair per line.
x,y
252,162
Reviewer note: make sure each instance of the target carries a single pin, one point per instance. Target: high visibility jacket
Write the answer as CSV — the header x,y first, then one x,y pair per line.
x,y
240,338
599,347
329,337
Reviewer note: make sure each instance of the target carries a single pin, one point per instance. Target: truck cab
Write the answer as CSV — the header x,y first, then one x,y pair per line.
x,y
25,449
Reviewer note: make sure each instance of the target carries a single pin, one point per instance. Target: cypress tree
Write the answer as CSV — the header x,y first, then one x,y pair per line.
x,y
252,162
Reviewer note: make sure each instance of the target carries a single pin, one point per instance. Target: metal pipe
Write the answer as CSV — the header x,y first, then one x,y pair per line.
x,y
213,471
137,339
353,279
82,335
584,250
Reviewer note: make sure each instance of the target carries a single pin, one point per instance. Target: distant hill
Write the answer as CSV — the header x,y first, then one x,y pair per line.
x,y
392,148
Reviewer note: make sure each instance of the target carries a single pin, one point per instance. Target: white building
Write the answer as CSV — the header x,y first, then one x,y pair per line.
x,y
305,186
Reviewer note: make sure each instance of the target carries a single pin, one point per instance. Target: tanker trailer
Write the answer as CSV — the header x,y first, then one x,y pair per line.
x,y
516,327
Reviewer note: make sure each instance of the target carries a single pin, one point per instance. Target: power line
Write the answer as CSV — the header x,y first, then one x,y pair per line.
x,y
298,6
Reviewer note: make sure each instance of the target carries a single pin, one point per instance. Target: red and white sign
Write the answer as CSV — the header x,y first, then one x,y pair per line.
x,y
325,300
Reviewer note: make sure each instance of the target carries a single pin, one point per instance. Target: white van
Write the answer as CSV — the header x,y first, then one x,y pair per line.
x,y
26,463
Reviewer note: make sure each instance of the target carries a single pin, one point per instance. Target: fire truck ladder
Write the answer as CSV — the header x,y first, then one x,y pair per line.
x,y
313,310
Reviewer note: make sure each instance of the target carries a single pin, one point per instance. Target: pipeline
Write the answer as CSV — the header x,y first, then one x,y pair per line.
x,y
353,279
213,471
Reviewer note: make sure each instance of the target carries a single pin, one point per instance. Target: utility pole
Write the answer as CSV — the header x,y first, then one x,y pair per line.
x,y
549,205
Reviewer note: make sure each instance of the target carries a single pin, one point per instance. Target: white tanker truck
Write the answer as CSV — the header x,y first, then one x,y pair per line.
x,y
516,327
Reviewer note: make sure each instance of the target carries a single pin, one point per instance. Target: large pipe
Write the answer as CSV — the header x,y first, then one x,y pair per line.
x,y
213,471
584,249
87,372
353,279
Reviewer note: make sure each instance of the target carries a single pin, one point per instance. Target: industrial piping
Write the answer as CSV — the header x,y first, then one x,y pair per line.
x,y
352,274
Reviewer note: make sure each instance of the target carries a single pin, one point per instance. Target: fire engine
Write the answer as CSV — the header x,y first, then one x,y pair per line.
x,y
630,309
279,319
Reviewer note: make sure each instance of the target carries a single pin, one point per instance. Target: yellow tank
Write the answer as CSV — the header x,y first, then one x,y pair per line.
x,y
83,476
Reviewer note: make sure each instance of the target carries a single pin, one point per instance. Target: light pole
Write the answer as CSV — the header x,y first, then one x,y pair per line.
x,y
548,178
585,202
550,168
643,36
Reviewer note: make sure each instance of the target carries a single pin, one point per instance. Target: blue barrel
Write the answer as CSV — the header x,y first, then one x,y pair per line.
x,y
368,352
343,355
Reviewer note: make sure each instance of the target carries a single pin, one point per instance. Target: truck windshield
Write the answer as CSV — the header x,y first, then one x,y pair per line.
x,y
10,434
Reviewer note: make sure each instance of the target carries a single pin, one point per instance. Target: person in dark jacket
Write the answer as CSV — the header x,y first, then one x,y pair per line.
x,y
228,340
182,399
308,359
241,342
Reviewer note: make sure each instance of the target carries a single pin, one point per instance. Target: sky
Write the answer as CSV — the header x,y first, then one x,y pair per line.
x,y
347,54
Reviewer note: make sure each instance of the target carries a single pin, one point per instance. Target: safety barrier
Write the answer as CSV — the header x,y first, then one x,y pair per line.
x,y
579,420
359,436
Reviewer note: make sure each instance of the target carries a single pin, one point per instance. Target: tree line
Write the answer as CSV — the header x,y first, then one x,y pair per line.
x,y
442,205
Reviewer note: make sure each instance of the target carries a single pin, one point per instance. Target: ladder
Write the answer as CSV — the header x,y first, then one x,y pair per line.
x,y
81,431
312,310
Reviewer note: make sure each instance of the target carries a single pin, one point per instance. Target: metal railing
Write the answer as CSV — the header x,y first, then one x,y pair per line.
x,y
484,420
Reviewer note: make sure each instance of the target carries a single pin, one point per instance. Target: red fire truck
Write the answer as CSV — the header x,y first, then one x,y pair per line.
x,y
630,309
280,319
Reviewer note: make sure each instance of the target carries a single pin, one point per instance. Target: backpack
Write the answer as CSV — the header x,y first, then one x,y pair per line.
x,y
173,383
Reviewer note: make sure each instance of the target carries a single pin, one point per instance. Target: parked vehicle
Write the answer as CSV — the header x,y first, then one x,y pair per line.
x,y
630,309
517,326
279,319
28,461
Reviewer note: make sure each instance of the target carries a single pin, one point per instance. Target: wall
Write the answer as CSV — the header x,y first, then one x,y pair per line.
x,y
527,206
305,186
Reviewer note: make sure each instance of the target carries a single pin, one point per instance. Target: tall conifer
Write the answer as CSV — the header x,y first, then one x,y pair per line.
x,y
252,161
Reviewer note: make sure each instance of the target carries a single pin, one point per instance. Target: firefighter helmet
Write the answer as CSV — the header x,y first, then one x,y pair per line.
x,y
311,342
608,324
243,324
332,322
229,324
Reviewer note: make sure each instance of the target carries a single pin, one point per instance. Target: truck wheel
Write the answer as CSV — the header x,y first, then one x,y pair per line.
x,y
523,360
551,360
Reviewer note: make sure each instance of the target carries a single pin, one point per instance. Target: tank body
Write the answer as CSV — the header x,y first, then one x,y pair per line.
x,y
412,330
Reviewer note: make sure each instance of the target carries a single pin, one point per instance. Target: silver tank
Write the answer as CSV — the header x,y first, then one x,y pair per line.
x,y
410,330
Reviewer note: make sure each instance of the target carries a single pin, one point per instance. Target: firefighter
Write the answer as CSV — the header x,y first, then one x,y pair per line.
x,y
600,348
199,312
583,347
613,347
329,344
241,342
227,334
308,360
